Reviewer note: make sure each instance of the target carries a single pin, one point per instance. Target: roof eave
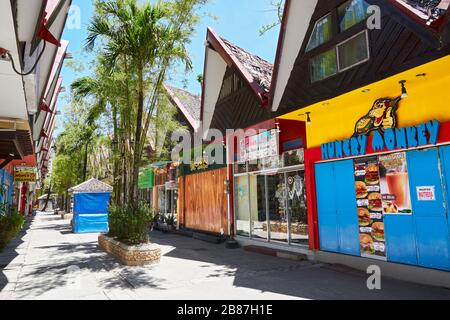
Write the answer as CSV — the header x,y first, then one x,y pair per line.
x,y
216,42
174,99
278,53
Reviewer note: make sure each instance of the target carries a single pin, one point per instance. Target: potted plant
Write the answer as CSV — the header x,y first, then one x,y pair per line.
x,y
170,221
128,238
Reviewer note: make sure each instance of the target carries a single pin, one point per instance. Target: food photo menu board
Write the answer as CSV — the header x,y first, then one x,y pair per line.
x,y
370,208
394,183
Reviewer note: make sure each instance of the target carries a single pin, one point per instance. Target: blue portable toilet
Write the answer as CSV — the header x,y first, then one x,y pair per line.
x,y
90,207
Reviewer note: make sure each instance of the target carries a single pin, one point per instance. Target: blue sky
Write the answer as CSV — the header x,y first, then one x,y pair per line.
x,y
235,20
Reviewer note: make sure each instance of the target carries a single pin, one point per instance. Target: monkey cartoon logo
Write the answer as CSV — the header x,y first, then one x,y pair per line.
x,y
382,116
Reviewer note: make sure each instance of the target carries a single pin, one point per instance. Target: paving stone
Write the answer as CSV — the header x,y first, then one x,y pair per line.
x,y
52,265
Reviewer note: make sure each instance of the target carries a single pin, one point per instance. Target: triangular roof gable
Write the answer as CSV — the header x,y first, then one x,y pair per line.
x,y
225,49
190,109
92,186
293,32
285,60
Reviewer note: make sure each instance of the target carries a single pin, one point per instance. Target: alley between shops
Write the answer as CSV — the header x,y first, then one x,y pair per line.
x,y
48,261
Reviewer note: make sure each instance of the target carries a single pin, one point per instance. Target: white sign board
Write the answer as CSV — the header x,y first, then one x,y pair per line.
x,y
426,193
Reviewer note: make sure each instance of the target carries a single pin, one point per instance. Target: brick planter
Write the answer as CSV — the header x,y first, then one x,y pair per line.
x,y
141,255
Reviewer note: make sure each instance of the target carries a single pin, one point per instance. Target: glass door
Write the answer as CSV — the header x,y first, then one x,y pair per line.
x,y
242,206
259,226
296,201
278,215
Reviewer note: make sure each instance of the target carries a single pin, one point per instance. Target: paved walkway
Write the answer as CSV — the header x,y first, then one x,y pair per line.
x,y
47,261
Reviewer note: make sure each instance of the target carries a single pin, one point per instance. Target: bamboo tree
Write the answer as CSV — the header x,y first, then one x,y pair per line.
x,y
145,40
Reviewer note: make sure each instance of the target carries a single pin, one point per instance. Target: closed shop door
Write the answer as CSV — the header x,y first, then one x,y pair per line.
x,y
430,214
445,168
346,208
327,207
337,213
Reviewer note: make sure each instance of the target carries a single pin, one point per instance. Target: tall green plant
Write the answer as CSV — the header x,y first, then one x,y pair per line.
x,y
143,41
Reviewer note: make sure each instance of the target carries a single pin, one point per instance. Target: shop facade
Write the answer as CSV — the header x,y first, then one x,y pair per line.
x,y
146,185
377,180
165,190
374,101
269,184
203,200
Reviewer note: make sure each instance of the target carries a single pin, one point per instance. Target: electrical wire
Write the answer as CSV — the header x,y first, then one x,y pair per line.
x,y
34,66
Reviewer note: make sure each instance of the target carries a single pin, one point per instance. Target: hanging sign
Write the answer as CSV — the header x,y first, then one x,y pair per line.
x,y
382,122
259,146
201,163
25,174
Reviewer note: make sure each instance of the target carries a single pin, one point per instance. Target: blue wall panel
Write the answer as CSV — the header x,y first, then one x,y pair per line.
x,y
91,212
326,207
432,232
336,203
347,212
400,239
91,203
445,168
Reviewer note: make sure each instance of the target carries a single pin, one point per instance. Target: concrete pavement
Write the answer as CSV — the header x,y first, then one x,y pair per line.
x,y
47,261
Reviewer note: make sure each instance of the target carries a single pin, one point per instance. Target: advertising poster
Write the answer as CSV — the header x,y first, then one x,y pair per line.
x,y
25,174
263,144
253,150
370,208
242,150
394,184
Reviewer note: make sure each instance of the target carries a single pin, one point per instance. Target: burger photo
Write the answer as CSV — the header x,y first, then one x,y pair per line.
x,y
378,231
372,174
375,203
390,207
361,190
364,217
366,242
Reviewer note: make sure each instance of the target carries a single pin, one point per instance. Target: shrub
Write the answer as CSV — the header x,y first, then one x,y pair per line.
x,y
130,225
170,220
10,225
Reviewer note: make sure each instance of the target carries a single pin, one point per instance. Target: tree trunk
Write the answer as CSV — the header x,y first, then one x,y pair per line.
x,y
48,198
115,155
137,142
85,161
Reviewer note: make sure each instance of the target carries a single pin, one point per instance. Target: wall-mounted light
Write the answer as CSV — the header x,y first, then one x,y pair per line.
x,y
308,117
404,91
277,124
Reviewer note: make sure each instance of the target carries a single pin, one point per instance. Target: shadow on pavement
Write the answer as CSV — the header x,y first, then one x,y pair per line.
x,y
300,279
10,254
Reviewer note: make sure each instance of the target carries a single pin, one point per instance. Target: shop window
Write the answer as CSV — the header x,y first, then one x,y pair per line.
x,y
269,163
345,55
278,219
240,168
351,13
296,194
258,207
353,51
242,206
321,34
324,65
294,158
